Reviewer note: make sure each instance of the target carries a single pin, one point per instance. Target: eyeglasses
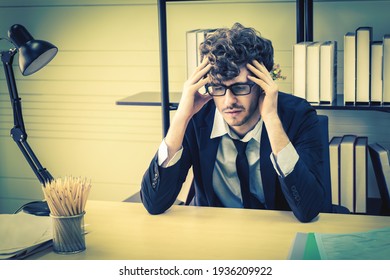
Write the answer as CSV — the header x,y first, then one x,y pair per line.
x,y
236,89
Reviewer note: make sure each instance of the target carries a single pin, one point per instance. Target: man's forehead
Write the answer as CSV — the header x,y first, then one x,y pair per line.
x,y
241,78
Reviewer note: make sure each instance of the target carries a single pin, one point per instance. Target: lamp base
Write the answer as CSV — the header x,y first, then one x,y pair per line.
x,y
38,208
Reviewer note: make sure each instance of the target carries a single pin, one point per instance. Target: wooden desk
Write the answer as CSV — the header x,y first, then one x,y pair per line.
x,y
125,231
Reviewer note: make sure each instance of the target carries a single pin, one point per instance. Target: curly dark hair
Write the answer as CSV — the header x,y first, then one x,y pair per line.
x,y
229,49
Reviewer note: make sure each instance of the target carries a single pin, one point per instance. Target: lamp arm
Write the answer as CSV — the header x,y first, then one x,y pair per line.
x,y
18,132
7,58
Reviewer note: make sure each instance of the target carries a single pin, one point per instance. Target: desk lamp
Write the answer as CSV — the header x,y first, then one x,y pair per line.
x,y
33,55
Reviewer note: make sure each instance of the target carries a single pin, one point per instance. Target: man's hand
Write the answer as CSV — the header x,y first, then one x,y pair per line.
x,y
268,100
191,99
268,106
190,103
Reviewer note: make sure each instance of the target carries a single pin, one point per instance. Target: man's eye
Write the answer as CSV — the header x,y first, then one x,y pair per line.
x,y
239,88
217,88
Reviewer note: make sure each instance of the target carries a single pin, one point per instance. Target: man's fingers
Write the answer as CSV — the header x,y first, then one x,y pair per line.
x,y
259,70
258,81
200,73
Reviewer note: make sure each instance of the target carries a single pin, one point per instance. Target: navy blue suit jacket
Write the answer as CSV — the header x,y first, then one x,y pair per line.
x,y
302,191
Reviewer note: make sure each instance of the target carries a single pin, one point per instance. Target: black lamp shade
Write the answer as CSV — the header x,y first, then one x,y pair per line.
x,y
33,54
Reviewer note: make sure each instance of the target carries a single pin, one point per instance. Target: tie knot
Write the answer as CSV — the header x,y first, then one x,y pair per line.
x,y
240,146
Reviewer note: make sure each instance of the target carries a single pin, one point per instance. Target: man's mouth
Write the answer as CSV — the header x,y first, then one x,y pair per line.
x,y
233,110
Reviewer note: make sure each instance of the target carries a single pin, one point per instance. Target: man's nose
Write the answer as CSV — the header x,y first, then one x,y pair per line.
x,y
230,98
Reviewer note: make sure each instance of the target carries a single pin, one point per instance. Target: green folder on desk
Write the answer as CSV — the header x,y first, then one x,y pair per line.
x,y
305,247
368,245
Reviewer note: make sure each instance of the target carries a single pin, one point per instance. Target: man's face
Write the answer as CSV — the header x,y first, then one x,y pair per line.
x,y
241,113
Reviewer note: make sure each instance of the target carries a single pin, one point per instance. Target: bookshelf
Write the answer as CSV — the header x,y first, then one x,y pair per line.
x,y
168,101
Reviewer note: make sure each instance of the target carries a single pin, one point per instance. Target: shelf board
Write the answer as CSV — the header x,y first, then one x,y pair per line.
x,y
338,104
151,98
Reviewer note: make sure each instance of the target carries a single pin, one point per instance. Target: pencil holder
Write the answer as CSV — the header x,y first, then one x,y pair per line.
x,y
68,234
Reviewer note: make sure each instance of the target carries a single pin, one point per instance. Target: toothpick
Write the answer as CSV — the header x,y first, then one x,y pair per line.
x,y
67,196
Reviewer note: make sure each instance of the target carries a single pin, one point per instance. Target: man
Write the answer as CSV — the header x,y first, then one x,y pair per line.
x,y
242,105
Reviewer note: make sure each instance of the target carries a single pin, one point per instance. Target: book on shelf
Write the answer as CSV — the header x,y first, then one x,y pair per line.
x,y
313,73
363,57
193,40
347,172
361,174
328,72
200,37
299,68
376,72
349,68
386,69
380,162
191,51
334,159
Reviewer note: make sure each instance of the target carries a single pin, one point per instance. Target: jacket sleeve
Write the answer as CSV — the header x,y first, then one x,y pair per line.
x,y
160,186
304,187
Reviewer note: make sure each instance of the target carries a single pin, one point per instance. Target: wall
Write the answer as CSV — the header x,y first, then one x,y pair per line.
x,y
109,50
74,126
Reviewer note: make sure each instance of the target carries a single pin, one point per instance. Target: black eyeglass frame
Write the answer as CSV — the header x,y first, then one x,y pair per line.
x,y
231,89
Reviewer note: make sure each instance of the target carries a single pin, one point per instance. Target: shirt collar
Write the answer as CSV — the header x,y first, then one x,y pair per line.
x,y
221,128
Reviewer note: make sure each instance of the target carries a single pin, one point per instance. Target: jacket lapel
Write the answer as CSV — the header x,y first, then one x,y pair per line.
x,y
208,152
